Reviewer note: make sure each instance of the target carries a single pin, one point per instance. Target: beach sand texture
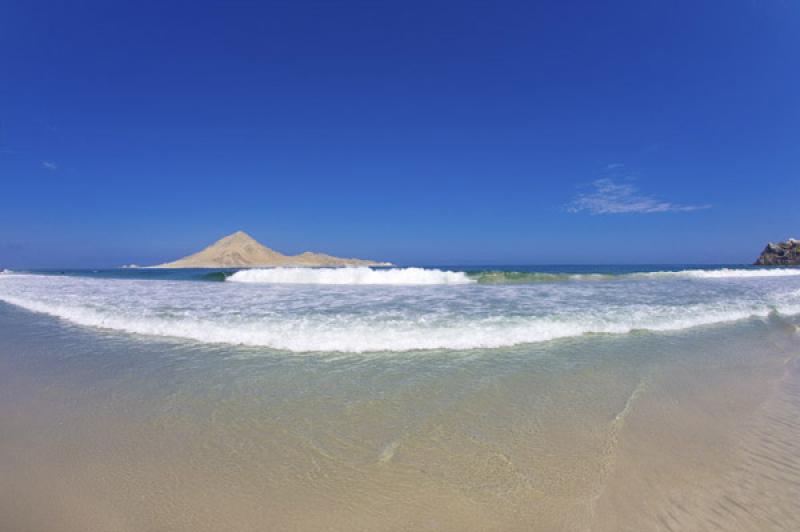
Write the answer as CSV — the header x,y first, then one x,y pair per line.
x,y
106,432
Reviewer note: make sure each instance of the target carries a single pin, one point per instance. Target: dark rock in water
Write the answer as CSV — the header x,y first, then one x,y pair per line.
x,y
780,254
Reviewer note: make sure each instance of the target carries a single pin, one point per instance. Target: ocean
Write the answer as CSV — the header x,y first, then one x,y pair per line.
x,y
419,398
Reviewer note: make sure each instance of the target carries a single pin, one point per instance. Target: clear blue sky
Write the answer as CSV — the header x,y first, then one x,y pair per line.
x,y
417,132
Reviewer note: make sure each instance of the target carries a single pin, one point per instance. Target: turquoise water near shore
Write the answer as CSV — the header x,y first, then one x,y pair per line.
x,y
637,402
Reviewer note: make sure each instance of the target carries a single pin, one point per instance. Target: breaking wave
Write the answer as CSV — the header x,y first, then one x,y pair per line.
x,y
312,314
512,277
424,276
358,334
516,277
215,276
723,273
350,276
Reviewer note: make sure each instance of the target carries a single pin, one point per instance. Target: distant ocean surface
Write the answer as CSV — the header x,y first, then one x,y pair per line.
x,y
531,398
404,309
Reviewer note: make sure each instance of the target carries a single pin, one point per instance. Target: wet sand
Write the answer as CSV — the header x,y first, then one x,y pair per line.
x,y
110,432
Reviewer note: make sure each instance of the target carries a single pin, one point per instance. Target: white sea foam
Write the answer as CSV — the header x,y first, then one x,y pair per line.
x,y
346,276
722,273
385,318
512,277
357,334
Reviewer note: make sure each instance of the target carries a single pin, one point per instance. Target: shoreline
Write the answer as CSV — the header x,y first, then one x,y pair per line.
x,y
604,432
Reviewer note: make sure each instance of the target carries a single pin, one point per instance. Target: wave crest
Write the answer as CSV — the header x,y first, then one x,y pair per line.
x,y
516,277
350,276
353,334
729,273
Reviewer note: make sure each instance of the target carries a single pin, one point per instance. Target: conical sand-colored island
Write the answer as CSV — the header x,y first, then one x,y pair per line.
x,y
240,250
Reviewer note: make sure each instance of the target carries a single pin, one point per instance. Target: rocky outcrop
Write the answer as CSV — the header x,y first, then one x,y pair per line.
x,y
240,250
780,254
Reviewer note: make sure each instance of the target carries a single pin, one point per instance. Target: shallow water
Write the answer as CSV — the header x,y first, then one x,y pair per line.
x,y
684,429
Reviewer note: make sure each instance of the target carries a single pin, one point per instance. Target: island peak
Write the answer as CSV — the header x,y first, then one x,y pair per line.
x,y
240,250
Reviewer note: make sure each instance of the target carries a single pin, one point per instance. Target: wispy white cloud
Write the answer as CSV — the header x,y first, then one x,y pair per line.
x,y
49,166
609,196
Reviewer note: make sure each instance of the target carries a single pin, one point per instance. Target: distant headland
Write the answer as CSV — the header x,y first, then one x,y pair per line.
x,y
240,250
780,254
